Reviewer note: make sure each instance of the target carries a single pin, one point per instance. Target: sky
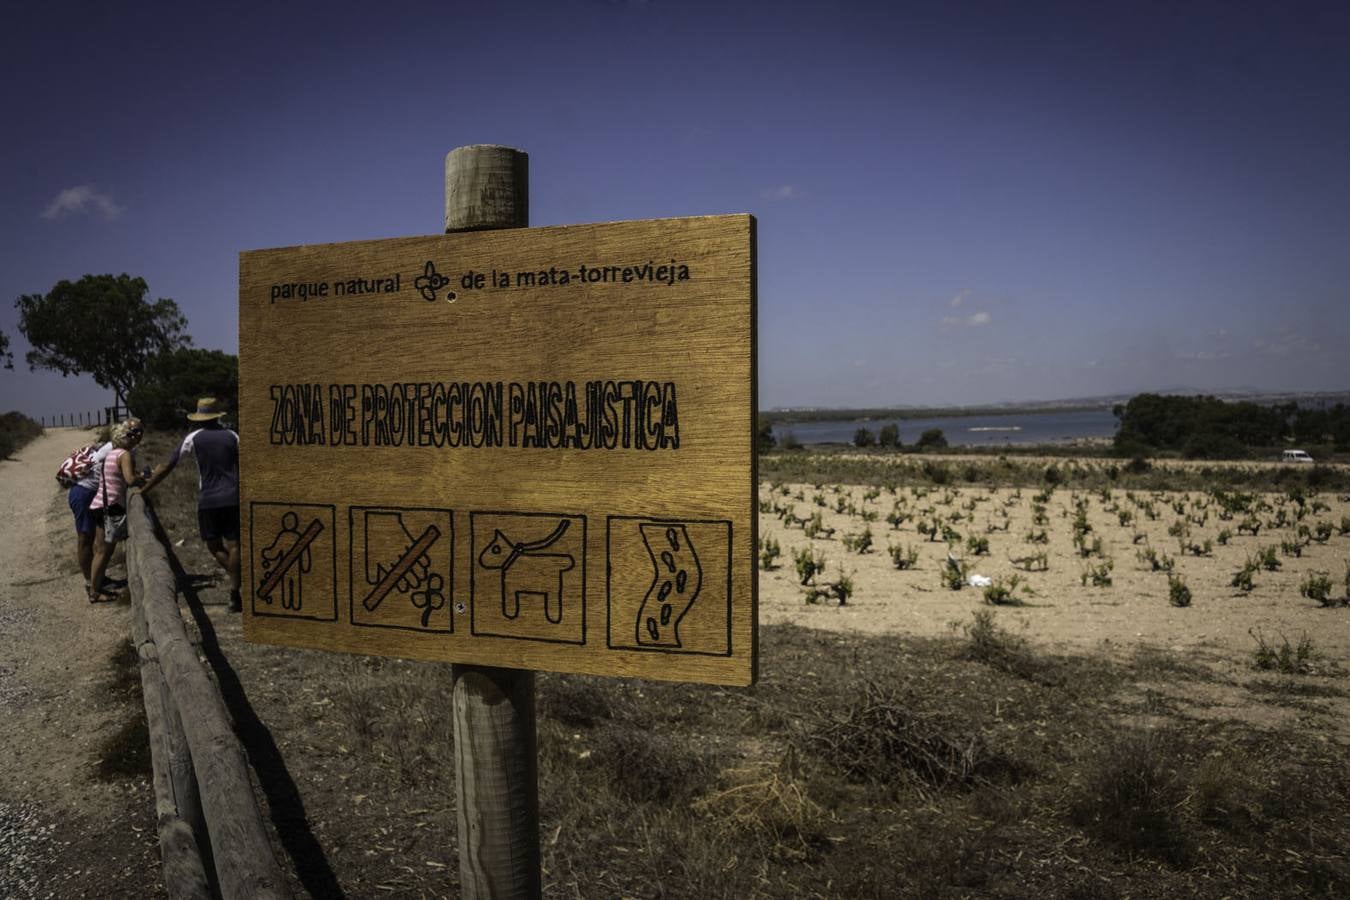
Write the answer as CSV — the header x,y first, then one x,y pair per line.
x,y
957,203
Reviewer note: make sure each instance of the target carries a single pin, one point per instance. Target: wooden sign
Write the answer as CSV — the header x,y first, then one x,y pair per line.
x,y
527,449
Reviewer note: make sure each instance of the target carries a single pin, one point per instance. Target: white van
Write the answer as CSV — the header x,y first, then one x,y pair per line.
x,y
1295,456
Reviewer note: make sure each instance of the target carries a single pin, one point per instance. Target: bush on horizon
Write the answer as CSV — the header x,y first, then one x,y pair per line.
x,y
932,439
16,430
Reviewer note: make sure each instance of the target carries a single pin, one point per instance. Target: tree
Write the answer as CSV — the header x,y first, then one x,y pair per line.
x,y
764,438
863,437
102,325
889,436
6,359
172,382
932,439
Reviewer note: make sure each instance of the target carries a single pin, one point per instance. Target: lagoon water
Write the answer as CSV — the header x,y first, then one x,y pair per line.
x,y
967,431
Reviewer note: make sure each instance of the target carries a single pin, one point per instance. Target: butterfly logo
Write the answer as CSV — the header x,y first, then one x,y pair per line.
x,y
431,281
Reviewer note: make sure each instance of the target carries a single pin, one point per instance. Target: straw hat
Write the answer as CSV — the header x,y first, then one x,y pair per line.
x,y
208,408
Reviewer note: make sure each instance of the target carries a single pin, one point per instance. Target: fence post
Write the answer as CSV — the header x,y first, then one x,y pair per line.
x,y
496,766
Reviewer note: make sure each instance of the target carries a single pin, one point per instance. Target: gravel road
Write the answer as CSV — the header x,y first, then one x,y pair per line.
x,y
65,831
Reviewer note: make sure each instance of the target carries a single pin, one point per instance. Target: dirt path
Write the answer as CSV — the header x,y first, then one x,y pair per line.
x,y
64,830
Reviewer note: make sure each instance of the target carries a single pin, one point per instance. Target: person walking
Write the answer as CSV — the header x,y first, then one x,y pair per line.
x,y
80,495
216,449
117,475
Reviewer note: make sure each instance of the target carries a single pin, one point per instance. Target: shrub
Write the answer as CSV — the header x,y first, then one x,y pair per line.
x,y
16,430
1138,466
864,437
977,546
1178,594
859,542
764,439
1268,559
808,564
840,590
995,646
1099,575
1317,586
936,472
1286,658
1242,580
882,737
903,557
769,551
1131,797
932,439
1036,562
889,436
1003,592
953,575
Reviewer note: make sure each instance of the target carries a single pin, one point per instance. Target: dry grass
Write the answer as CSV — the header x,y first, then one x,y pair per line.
x,y
860,766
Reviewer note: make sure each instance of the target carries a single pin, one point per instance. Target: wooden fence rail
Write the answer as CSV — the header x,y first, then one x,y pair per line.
x,y
203,797
108,415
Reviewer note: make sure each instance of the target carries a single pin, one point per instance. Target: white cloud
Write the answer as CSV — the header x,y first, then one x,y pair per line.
x,y
81,199
959,298
975,320
782,192
1286,343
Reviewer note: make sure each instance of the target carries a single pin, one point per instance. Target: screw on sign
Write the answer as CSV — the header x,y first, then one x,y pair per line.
x,y
674,588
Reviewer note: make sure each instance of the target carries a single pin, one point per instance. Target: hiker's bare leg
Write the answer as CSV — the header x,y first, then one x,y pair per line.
x,y
102,552
231,563
217,548
84,553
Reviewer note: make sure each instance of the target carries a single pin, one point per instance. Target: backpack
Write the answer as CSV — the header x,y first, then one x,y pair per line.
x,y
76,466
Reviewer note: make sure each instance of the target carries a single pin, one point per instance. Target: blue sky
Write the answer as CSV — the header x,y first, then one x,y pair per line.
x,y
957,202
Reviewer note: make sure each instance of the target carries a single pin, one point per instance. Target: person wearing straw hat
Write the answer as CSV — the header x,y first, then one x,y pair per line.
x,y
216,449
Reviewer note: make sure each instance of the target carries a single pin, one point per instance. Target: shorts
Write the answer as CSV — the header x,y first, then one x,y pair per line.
x,y
79,499
220,522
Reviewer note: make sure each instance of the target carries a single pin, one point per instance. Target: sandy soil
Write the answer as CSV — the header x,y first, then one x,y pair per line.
x,y
1059,613
63,832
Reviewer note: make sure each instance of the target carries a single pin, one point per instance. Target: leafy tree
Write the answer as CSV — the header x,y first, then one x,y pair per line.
x,y
764,438
932,439
172,382
102,325
1202,426
6,359
889,436
863,437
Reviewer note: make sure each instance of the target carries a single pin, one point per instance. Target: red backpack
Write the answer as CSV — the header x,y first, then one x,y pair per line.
x,y
76,466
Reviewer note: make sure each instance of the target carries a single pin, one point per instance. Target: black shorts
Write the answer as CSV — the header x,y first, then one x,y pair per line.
x,y
221,522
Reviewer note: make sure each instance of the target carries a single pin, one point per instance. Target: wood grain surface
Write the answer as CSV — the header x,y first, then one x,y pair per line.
x,y
569,410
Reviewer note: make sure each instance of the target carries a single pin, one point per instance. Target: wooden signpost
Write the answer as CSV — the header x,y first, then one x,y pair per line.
x,y
510,449
529,448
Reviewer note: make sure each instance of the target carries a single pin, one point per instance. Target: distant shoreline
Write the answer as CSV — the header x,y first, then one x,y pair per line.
x,y
795,416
